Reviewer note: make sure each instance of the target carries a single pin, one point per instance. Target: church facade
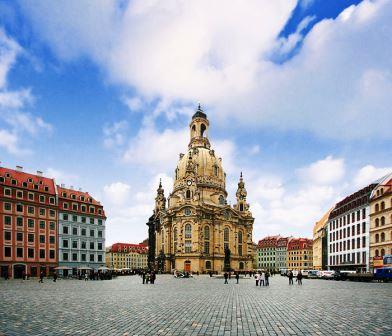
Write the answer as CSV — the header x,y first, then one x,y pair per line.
x,y
195,230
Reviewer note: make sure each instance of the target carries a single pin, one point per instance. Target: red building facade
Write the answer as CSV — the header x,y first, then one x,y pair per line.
x,y
28,223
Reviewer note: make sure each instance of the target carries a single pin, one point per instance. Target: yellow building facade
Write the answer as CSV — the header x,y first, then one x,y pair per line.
x,y
320,248
300,254
381,221
196,230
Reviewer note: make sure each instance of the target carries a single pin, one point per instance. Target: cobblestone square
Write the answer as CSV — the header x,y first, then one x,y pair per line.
x,y
198,306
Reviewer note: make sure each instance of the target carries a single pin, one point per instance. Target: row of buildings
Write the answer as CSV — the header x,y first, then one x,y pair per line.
x,y
276,252
44,225
356,233
127,256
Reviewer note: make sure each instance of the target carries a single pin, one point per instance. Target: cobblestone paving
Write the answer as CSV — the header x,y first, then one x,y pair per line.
x,y
199,306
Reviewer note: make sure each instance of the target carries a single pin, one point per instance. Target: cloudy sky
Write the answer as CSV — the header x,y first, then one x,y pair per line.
x,y
299,93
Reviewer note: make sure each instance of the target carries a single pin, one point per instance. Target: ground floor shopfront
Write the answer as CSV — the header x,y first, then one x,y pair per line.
x,y
18,270
76,268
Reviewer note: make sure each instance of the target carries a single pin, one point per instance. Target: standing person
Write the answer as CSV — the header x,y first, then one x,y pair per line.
x,y
85,276
291,277
226,276
41,277
262,278
267,275
152,278
299,278
54,276
144,277
257,277
237,277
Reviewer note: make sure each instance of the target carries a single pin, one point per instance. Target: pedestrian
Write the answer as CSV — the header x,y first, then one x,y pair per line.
x,y
144,277
291,277
237,277
152,278
257,277
147,278
54,276
299,278
262,278
41,277
85,276
267,275
226,276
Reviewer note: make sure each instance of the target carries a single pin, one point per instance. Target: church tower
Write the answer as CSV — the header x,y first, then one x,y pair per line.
x,y
241,194
160,200
199,130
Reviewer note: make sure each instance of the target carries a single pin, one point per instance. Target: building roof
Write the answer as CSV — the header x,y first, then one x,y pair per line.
x,y
125,247
300,244
385,183
88,199
199,113
269,241
30,180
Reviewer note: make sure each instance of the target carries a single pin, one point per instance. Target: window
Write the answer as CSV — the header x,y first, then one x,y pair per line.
x,y
188,194
52,213
51,200
19,236
99,234
65,229
75,231
52,239
7,235
7,251
99,221
30,196
19,221
83,257
188,231
216,170
92,259
7,206
188,246
83,232
83,207
30,210
65,217
382,237
382,221
377,238
240,243
99,257
358,229
7,192
221,200
74,218
74,207
30,238
92,246
91,220
83,219
92,233
65,243
377,207
208,264
30,253
65,205
207,240
99,246
74,257
42,225
7,220
226,236
52,226
30,223
92,209
51,254
42,212
19,208
363,213
65,256
19,252
377,222
42,239
41,198
241,207
83,245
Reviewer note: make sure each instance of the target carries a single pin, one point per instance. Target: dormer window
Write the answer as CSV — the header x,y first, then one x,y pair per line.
x,y
73,196
14,182
46,188
30,180
64,194
7,175
24,184
82,198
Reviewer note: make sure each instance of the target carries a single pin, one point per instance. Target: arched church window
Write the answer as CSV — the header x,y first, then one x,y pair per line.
x,y
241,207
208,264
188,194
193,130
202,129
226,237
221,200
175,238
188,231
241,265
382,220
240,243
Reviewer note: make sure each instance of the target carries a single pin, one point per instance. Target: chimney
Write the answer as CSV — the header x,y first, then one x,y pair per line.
x,y
19,168
39,173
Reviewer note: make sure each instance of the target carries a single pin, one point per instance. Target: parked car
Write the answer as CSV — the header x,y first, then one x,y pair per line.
x,y
326,274
305,273
342,275
312,274
383,274
283,271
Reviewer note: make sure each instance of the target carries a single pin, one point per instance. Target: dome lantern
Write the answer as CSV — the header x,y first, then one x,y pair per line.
x,y
199,130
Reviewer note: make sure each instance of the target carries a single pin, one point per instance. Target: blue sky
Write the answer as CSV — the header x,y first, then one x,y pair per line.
x,y
298,95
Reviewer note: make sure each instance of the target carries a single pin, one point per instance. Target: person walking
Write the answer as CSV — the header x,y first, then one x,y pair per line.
x,y
257,277
226,276
54,276
267,275
237,277
299,278
152,278
291,278
41,277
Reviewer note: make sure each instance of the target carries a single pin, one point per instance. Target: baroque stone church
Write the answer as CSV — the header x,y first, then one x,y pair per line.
x,y
195,230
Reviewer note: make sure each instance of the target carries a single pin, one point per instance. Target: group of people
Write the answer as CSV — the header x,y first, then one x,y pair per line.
x,y
227,276
148,277
290,275
262,278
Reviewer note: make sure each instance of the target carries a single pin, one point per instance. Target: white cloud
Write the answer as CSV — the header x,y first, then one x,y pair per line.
x,y
368,174
115,134
9,141
181,52
117,193
324,172
61,176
